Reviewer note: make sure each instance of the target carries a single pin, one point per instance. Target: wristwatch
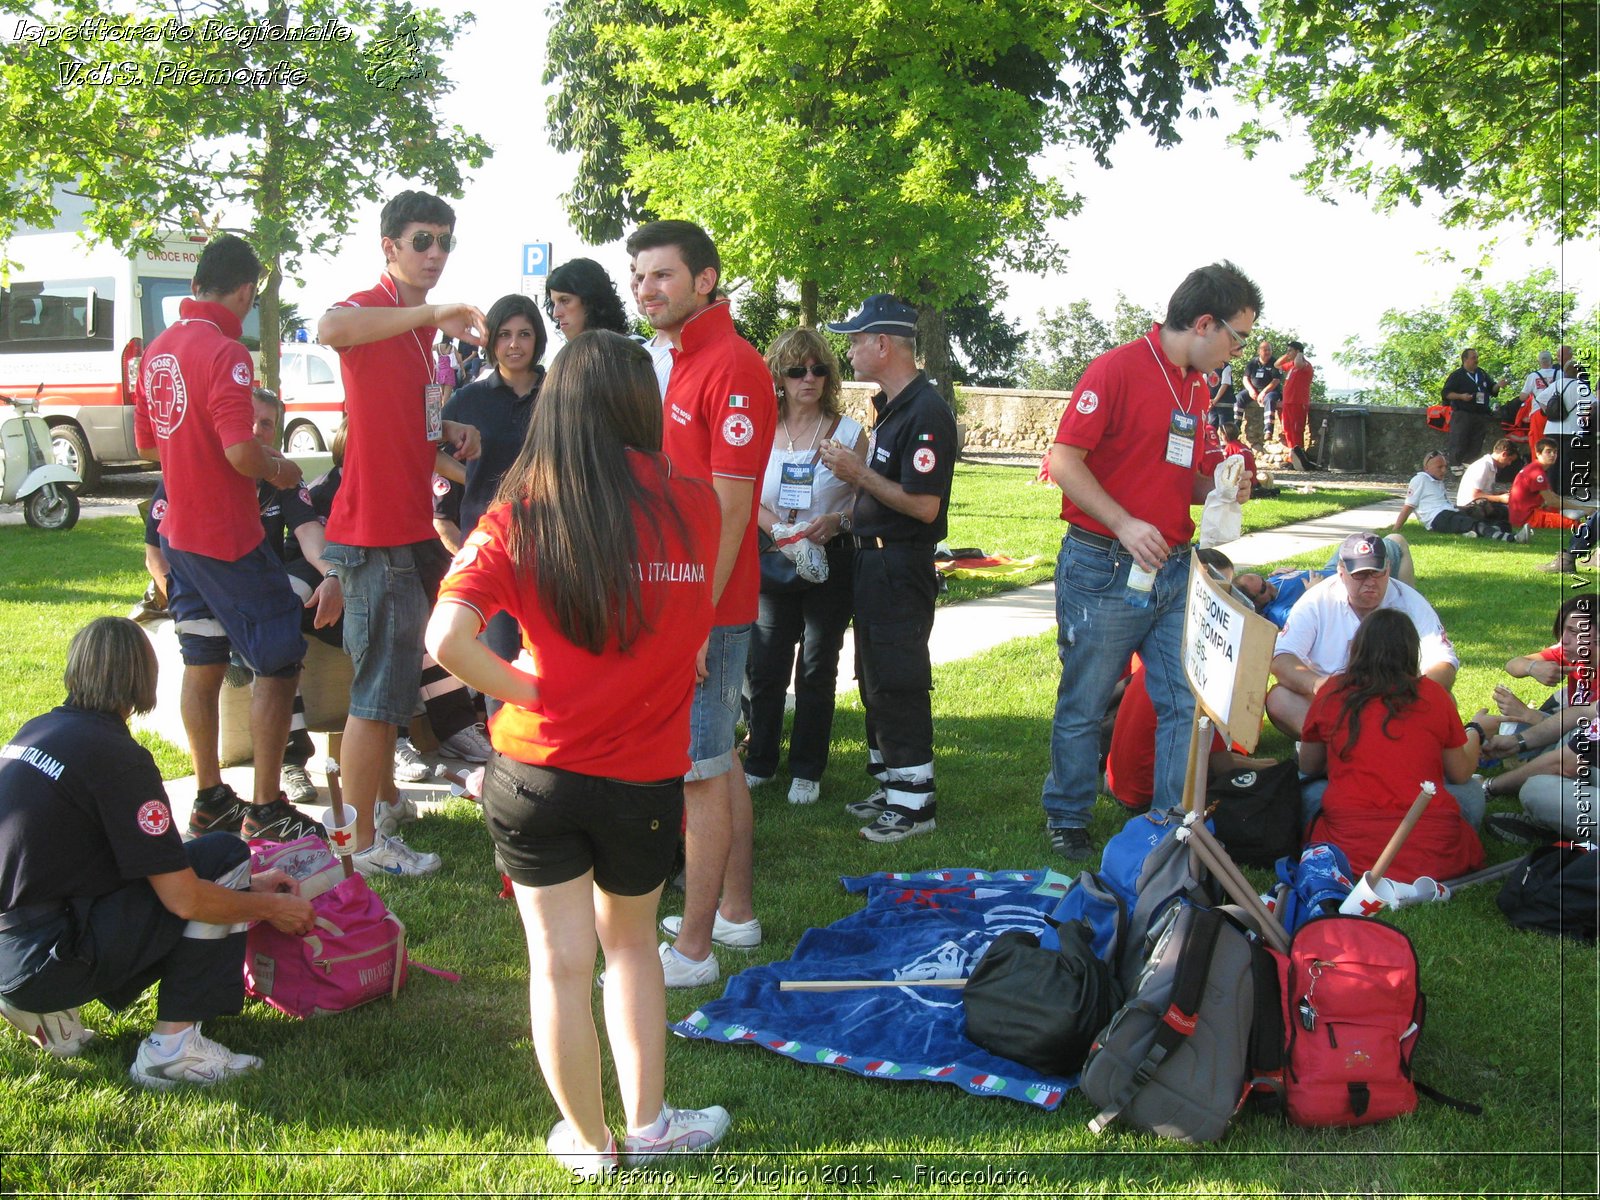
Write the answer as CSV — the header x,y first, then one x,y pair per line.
x,y
844,522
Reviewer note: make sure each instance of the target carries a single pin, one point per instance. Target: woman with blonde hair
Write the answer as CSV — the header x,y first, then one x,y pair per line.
x,y
600,550
799,631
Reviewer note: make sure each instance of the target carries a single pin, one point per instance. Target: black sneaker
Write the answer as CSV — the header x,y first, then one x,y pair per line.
x,y
216,810
280,821
870,809
1072,844
1516,828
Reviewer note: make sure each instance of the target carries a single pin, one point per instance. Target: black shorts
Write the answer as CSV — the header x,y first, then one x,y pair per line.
x,y
550,826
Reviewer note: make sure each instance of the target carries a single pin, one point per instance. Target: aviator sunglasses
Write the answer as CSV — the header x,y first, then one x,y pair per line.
x,y
817,371
422,241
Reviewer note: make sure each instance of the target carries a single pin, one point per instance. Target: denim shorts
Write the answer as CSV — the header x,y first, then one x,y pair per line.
x,y
550,826
385,612
715,711
246,604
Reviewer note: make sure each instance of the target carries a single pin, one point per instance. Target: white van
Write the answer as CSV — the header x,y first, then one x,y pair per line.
x,y
74,318
312,387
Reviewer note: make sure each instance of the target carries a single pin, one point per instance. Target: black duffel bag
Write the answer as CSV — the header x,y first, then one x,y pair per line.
x,y
1038,1007
1554,891
1256,814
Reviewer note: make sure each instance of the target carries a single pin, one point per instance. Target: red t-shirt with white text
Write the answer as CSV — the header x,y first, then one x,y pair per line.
x,y
618,714
386,497
192,401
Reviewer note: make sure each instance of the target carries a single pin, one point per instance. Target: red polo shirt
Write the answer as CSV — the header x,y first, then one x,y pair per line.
x,y
719,415
1121,413
192,401
386,497
1527,493
621,715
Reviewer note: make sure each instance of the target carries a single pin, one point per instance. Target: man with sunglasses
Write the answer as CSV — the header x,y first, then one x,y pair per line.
x,y
901,512
720,411
381,539
1126,458
194,414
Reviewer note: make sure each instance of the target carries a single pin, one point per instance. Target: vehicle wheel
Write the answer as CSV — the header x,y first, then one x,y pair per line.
x,y
303,438
52,507
69,449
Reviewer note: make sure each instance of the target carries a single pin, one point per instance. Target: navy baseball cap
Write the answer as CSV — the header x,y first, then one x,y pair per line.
x,y
880,314
1362,552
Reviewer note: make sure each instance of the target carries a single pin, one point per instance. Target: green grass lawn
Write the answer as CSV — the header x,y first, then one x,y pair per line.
x,y
1000,510
437,1092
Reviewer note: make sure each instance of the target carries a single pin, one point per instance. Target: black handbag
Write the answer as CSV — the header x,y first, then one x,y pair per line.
x,y
1256,814
1039,1007
779,577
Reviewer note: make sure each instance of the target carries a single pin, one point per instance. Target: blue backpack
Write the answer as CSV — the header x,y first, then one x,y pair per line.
x,y
1314,886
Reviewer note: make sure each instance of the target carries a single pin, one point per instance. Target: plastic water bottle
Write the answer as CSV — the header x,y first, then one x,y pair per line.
x,y
1140,585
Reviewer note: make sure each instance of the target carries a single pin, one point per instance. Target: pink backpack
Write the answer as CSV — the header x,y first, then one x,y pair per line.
x,y
356,953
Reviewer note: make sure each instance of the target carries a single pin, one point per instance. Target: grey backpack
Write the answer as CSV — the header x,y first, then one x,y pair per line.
x,y
1201,1028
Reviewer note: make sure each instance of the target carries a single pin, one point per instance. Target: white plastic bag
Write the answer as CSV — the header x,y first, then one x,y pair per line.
x,y
810,563
1222,519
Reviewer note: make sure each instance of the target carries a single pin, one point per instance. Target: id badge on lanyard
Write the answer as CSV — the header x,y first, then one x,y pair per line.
x,y
433,412
1181,438
795,484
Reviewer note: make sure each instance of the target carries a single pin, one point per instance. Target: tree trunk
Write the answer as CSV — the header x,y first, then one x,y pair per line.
x,y
269,324
934,335
808,303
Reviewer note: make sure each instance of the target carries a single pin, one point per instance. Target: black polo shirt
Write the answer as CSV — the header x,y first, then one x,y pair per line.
x,y
1262,375
501,417
82,810
913,443
1470,382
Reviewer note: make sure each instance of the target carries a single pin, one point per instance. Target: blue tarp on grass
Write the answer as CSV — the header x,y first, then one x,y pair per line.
x,y
927,925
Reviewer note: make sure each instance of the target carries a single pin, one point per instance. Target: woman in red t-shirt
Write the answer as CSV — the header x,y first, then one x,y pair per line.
x,y
603,555
1380,730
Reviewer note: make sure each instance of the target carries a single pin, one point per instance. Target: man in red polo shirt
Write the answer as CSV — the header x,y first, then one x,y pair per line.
x,y
1533,499
229,593
381,539
1125,458
720,411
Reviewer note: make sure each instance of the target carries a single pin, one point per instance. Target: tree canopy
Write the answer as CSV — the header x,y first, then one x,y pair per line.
x,y
1508,325
1490,106
215,113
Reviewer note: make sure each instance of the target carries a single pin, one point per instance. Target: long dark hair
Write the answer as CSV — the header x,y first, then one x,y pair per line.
x,y
574,494
1383,666
588,281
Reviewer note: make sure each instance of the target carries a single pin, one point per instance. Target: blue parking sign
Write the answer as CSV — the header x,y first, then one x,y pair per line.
x,y
536,258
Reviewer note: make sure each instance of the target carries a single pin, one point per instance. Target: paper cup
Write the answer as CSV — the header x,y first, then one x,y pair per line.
x,y
341,838
1367,900
1423,890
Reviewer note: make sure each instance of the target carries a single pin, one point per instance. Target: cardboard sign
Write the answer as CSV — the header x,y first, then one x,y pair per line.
x,y
1227,656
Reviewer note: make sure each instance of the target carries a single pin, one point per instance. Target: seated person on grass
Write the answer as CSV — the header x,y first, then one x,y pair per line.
x,y
100,897
1315,643
1534,502
1571,658
1380,731
1556,787
1425,496
1274,595
1479,493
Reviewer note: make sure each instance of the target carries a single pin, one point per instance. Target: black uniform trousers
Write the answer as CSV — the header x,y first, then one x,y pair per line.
x,y
112,947
895,589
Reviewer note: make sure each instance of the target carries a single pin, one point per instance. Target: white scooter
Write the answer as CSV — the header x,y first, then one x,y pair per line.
x,y
29,475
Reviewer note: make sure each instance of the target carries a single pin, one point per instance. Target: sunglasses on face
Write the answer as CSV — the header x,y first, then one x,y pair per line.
x,y
816,370
422,241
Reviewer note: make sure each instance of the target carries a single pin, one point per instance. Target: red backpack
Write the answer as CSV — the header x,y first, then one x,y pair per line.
x,y
1352,1012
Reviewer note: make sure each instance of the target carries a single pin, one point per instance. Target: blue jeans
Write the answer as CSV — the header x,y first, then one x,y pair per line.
x,y
385,612
1097,631
715,710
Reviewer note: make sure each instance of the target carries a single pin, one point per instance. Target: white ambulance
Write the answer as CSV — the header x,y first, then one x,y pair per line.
x,y
75,318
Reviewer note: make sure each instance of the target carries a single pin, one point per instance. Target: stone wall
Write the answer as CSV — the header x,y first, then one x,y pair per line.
x,y
1376,441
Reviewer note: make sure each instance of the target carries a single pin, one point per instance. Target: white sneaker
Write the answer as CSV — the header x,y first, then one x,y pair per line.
x,y
197,1060
59,1033
684,972
740,935
754,781
408,764
804,791
391,856
469,745
587,1166
1522,535
688,1130
297,785
386,818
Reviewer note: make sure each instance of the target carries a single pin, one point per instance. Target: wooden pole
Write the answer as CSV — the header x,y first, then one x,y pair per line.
x,y
1216,860
336,803
1407,824
850,985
